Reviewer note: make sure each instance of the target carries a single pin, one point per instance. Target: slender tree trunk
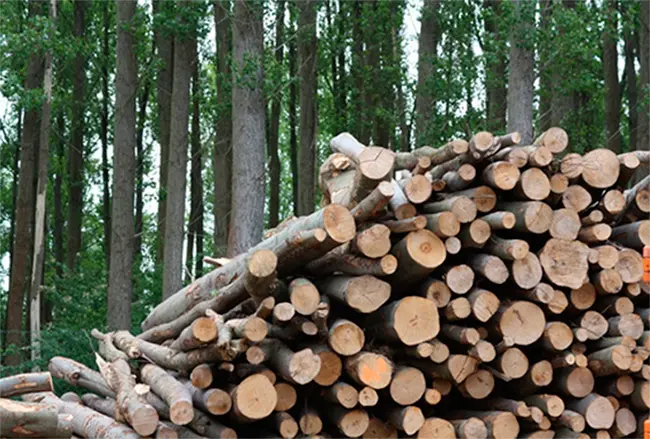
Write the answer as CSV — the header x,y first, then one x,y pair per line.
x,y
76,153
143,100
495,78
222,157
24,205
59,251
428,44
342,90
38,257
184,58
293,118
120,287
522,72
643,136
612,88
359,120
307,64
195,232
371,79
248,118
274,128
564,100
545,68
164,80
14,192
103,134
631,84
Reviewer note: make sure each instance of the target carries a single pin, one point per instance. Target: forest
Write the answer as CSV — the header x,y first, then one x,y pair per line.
x,y
137,137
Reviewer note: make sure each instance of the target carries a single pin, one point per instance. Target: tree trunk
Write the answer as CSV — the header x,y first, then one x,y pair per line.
x,y
75,156
184,58
424,101
38,256
631,84
103,134
612,88
195,232
521,76
307,63
222,157
496,69
359,120
164,81
120,287
247,127
293,117
59,251
274,131
143,99
643,136
545,69
24,205
564,98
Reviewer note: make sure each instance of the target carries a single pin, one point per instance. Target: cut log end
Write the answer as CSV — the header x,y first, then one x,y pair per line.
x,y
338,223
522,322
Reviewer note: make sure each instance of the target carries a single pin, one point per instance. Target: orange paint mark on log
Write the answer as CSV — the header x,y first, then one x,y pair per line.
x,y
646,264
646,428
374,374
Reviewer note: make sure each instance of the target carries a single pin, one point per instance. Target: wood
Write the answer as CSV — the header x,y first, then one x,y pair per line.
x,y
555,139
512,327
500,220
345,263
640,398
610,361
437,428
501,175
613,202
543,293
629,266
533,185
456,368
408,160
595,324
432,396
483,197
484,304
299,367
342,394
254,398
345,337
483,351
407,386
572,166
519,408
565,224
557,336
577,382
490,267
460,179
26,419
577,198
475,234
407,419
633,235
310,422
530,216
628,165
285,425
399,203
624,423
565,262
260,273
352,423
607,281
527,271
499,424
374,203
538,156
608,256
368,397
539,375
629,325
572,420
453,245
406,225
620,386
470,428
418,188
436,291
378,429
509,249
369,369
551,405
600,168
595,234
478,385
461,206
458,278
459,334
25,383
443,225
418,254
593,217
331,366
175,395
304,296
373,242
364,294
597,411
458,309
411,320
202,330
440,352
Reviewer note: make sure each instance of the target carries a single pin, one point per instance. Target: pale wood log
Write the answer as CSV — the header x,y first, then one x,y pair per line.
x,y
583,298
352,423
500,220
555,139
539,375
571,420
595,234
542,293
576,197
260,274
79,375
418,254
252,399
368,397
453,245
202,376
572,166
509,249
374,203
369,369
618,387
512,363
399,203
558,303
597,411
624,423
538,156
600,168
460,334
565,262
418,188
436,291
85,421
342,394
285,425
411,320
252,329
444,224
629,163
443,386
331,365
519,408
408,160
461,206
25,383
353,265
436,428
557,336
612,306
459,179
303,295
484,304
407,386
440,352
406,225
629,266
575,382
432,397
478,385
593,217
28,419
530,216
364,294
565,224
372,242
475,234
296,367
483,197
608,256
470,428
595,324
456,368
214,401
458,309
378,429
345,337
612,202
175,395
629,325
551,405
407,419
634,235
438,185
483,351
640,398
107,349
202,331
559,184
520,331
610,361
105,406
423,165
310,422
499,424
491,267
607,281
533,184
459,278
501,175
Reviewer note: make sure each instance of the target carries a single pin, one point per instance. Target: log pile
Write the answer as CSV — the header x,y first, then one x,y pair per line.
x,y
481,289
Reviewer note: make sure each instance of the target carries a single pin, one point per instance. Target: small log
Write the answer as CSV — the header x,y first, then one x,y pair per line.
x,y
202,331
483,197
629,325
369,369
475,234
595,324
440,352
584,297
491,267
25,383
501,175
410,320
470,428
512,364
478,385
555,139
352,423
571,420
407,386
572,166
418,254
618,387
551,405
409,160
628,165
285,425
202,376
436,428
629,266
458,278
436,291
640,398
442,385
443,225
600,168
175,395
460,179
542,293
634,235
511,326
400,204
303,295
612,306
463,208
557,336
458,309
612,202
539,375
407,419
105,406
576,197
378,429
368,397
519,408
456,368
531,216
533,185
296,367
595,234
500,220
27,419
406,225
597,411
559,184
459,334
423,165
364,294
624,423
609,361
345,337
565,262
253,399
79,375
374,203
453,245
331,365
483,351
558,303
565,224
538,156
214,401
373,242
593,217
484,304
499,424
342,394
310,422
575,382
607,256
417,188
509,249
432,397
607,281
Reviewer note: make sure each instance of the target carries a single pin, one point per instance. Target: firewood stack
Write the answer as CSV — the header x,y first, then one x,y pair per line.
x,y
481,289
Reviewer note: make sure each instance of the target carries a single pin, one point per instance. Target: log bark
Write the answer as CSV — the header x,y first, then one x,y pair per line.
x,y
374,203
202,330
399,203
531,216
609,361
25,383
364,294
460,179
461,206
28,419
443,225
490,267
406,225
634,235
597,411
500,220
509,249
79,375
408,160
175,395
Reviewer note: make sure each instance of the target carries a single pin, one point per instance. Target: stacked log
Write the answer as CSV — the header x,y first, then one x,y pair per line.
x,y
481,289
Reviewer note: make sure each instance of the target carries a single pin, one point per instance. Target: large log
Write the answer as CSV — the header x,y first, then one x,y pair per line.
x,y
418,254
597,411
253,399
513,327
633,235
29,419
531,216
364,294
565,262
600,168
25,383
175,395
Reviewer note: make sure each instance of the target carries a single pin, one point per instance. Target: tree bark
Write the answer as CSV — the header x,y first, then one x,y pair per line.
x,y
24,205
496,94
195,229
612,87
307,64
630,47
75,155
59,220
293,116
103,130
120,287
143,100
274,125
248,127
222,157
522,72
643,136
428,45
184,58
